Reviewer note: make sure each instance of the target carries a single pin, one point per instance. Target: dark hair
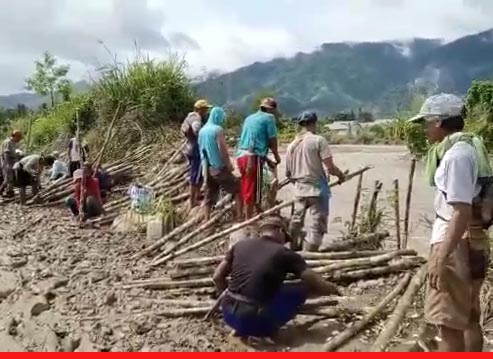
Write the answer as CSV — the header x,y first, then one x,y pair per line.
x,y
454,124
48,160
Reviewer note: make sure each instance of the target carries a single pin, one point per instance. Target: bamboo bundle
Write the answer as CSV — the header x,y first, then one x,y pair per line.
x,y
397,316
377,272
201,262
371,261
350,332
217,236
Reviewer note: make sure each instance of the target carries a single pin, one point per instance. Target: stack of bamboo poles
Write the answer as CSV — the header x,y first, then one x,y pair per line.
x,y
56,193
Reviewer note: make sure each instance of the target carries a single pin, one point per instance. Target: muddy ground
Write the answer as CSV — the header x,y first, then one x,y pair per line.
x,y
61,287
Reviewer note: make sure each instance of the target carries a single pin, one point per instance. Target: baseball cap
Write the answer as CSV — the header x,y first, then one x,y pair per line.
x,y
268,103
201,104
306,117
443,106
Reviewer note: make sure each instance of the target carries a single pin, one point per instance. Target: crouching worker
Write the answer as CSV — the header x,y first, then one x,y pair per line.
x,y
257,303
305,161
27,172
105,183
216,163
91,198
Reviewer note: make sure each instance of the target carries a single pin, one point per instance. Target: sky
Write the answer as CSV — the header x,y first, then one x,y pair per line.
x,y
212,35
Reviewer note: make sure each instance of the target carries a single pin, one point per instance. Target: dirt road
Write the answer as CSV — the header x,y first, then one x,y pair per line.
x,y
390,163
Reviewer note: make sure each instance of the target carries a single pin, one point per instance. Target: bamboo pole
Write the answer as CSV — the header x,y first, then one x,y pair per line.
x,y
397,211
371,261
164,285
357,200
81,164
109,135
377,272
408,203
357,327
397,316
227,232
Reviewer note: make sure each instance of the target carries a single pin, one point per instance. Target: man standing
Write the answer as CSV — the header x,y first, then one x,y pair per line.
x,y
215,157
74,152
257,302
259,134
305,161
7,160
190,129
458,167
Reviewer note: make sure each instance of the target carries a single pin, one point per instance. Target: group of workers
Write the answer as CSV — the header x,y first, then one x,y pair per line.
x,y
256,301
19,171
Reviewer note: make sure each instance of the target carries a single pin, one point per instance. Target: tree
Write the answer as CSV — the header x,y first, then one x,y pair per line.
x,y
50,78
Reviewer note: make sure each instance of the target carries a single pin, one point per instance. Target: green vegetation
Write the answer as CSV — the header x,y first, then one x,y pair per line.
x,y
143,96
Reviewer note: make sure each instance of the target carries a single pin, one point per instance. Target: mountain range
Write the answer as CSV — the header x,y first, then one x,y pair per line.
x,y
381,77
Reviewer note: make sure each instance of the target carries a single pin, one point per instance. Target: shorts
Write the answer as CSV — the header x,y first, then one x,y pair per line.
x,y
196,179
251,321
457,304
310,213
251,183
218,180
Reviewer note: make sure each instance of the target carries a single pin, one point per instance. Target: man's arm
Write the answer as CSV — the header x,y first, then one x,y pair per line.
x,y
456,228
222,273
333,169
317,285
273,143
223,149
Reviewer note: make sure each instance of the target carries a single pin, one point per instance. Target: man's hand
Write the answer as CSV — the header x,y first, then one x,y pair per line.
x,y
436,273
277,158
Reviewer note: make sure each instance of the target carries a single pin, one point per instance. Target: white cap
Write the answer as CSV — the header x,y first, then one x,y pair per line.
x,y
443,106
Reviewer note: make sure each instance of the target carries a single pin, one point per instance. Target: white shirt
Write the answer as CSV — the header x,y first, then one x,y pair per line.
x,y
456,181
75,150
59,168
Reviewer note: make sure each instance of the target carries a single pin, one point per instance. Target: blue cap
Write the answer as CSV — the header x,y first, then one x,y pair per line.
x,y
306,117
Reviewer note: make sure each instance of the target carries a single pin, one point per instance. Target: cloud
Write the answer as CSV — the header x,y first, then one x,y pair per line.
x,y
214,34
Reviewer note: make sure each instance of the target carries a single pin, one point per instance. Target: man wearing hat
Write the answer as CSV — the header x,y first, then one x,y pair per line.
x,y
259,135
458,167
257,302
305,161
8,158
190,128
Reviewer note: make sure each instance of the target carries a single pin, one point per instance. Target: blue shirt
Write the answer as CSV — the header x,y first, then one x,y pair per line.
x,y
258,130
208,139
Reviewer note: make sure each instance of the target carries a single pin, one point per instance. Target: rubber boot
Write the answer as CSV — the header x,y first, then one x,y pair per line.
x,y
309,247
22,195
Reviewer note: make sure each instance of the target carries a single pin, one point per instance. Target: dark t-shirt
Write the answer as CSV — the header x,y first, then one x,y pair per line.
x,y
259,268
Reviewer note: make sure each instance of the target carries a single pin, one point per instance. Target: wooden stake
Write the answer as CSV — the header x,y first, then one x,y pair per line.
x,y
372,212
397,212
357,327
395,320
357,200
408,203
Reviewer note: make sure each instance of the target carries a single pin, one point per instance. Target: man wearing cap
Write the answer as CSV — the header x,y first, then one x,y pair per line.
x,y
259,135
458,167
190,128
8,158
257,302
305,161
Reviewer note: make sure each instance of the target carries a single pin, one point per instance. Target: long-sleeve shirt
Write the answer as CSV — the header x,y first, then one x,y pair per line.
x,y
92,189
59,168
